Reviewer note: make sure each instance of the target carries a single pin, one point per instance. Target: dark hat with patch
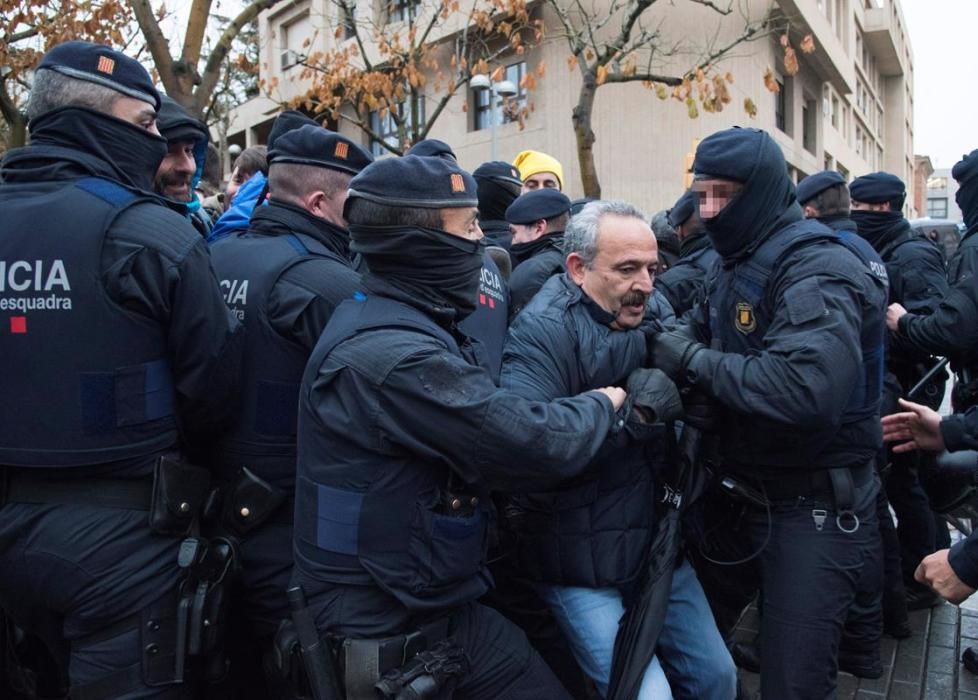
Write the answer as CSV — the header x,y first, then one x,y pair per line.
x,y
499,171
876,188
814,185
433,148
285,122
105,66
539,204
966,168
416,181
322,148
684,208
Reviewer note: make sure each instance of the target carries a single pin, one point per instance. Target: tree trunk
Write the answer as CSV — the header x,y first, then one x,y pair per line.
x,y
16,121
581,117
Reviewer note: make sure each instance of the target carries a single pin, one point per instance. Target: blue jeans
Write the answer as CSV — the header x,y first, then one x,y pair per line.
x,y
695,659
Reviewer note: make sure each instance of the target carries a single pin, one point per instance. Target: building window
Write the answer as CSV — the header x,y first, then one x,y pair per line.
x,y
402,10
937,183
348,17
808,126
937,207
295,38
386,127
507,109
780,107
842,170
827,161
835,112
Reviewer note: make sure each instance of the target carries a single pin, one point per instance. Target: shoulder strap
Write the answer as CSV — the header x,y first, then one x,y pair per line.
x,y
108,191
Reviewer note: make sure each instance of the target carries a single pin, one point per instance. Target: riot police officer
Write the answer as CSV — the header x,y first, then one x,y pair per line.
x,y
121,358
682,284
789,341
400,437
283,278
537,220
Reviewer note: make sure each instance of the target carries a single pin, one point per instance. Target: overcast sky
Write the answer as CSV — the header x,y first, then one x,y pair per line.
x,y
944,36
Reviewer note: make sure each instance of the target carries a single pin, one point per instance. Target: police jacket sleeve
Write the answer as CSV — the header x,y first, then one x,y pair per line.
x,y
305,297
919,285
442,408
963,558
953,326
960,431
810,356
155,265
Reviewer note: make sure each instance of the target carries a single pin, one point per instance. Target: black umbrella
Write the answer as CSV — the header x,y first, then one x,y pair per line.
x,y
639,628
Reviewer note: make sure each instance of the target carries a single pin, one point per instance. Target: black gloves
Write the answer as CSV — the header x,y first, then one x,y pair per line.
x,y
701,410
654,396
672,352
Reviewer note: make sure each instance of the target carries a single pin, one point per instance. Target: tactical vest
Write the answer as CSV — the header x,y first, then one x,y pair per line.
x,y
741,310
85,381
263,436
398,534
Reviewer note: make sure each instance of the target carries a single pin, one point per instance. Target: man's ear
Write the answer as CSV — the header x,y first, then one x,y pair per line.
x,y
315,203
811,212
576,268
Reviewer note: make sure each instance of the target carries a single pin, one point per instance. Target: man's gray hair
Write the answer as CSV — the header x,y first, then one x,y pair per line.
x,y
581,236
52,90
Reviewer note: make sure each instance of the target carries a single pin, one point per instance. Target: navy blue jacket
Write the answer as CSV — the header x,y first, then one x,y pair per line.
x,y
592,530
393,416
283,279
529,274
153,365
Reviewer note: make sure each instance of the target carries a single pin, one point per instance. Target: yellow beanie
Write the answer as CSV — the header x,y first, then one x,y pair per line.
x,y
533,162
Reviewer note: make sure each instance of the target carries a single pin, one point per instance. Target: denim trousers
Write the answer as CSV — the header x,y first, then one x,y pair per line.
x,y
691,659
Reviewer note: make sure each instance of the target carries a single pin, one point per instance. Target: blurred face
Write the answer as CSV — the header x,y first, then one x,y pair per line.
x,y
462,222
238,178
540,181
137,112
176,172
714,195
620,277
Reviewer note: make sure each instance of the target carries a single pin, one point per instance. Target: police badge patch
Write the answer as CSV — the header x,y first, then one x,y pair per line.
x,y
745,321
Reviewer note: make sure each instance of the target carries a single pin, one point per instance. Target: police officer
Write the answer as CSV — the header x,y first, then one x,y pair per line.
x,y
915,268
183,165
499,184
952,328
401,436
667,239
584,542
682,284
789,342
121,355
537,220
283,278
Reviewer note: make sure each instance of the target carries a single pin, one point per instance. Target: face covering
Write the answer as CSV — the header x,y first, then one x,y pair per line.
x,y
874,226
132,153
429,263
521,252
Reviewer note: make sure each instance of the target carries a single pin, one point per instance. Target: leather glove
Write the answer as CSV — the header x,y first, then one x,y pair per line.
x,y
701,410
672,352
654,396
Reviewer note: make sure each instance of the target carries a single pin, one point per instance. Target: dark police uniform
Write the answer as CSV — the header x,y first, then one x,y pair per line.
x,y
401,436
499,185
284,279
915,267
537,261
683,282
795,327
119,350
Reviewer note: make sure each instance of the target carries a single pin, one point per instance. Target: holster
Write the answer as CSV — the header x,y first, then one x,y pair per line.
x,y
178,496
429,675
248,502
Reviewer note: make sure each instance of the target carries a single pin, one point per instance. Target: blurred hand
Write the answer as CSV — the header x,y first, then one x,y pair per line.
x,y
920,427
935,571
893,315
616,394
672,352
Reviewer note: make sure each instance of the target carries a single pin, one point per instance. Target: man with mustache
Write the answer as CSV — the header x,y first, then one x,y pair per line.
x,y
182,166
582,543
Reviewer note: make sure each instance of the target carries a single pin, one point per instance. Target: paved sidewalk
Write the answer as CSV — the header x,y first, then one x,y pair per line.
x,y
926,666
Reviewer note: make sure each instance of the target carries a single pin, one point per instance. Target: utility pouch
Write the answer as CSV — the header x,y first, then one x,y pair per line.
x,y
429,675
249,502
179,492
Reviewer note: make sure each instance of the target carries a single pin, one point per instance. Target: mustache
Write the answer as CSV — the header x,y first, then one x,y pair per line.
x,y
634,299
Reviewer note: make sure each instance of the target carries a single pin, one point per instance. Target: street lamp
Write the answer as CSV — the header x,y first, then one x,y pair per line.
x,y
504,88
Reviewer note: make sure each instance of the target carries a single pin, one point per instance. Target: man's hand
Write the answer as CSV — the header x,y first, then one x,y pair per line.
x,y
935,571
920,427
616,394
893,315
654,395
672,352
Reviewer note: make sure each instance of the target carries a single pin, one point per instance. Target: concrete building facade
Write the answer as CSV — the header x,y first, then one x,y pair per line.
x,y
941,189
849,107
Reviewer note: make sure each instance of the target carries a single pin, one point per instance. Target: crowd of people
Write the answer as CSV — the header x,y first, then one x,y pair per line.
x,y
365,428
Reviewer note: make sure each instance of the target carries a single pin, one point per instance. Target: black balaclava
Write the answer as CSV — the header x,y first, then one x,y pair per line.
x,y
875,188
425,262
876,226
965,171
131,153
767,200
521,252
